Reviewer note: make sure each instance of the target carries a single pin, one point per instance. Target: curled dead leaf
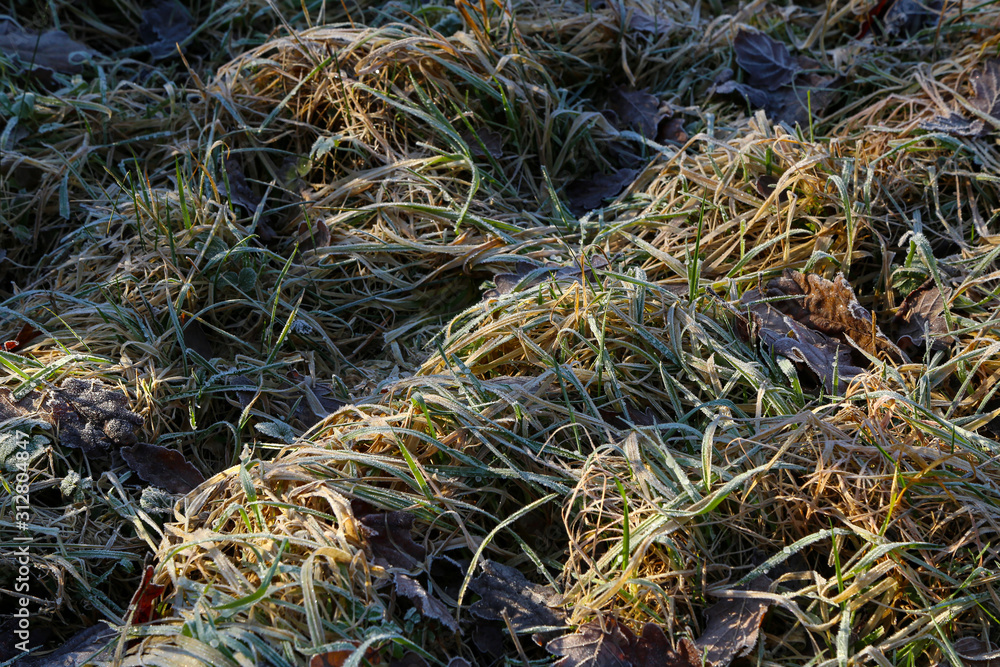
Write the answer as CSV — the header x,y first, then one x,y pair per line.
x,y
504,591
733,626
586,194
428,606
52,49
986,100
818,324
920,318
162,467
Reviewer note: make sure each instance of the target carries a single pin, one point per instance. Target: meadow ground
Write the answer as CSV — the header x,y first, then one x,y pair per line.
x,y
576,332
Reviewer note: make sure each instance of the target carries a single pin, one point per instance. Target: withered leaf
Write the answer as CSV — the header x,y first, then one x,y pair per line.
x,y
671,129
506,592
196,339
640,21
921,315
23,337
766,61
974,652
162,467
635,110
428,606
818,326
314,234
526,275
75,651
388,536
484,142
830,308
591,646
986,89
164,26
617,646
409,659
239,190
733,626
52,49
908,17
144,598
458,662
586,194
788,104
91,416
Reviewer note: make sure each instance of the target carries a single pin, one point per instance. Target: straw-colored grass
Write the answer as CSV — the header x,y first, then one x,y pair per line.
x,y
309,207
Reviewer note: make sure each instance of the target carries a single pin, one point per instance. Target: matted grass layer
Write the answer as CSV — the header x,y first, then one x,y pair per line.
x,y
311,215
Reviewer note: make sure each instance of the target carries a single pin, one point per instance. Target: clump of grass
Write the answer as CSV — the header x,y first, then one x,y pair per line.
x,y
607,432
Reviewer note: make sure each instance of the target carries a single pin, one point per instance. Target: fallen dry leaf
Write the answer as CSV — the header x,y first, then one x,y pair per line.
x,y
592,646
483,142
504,591
428,606
974,652
615,645
830,308
588,193
196,339
75,651
640,21
162,467
920,319
52,49
766,61
144,599
635,110
986,100
240,193
816,323
733,626
777,82
23,337
91,416
314,234
388,536
671,129
409,659
895,18
164,26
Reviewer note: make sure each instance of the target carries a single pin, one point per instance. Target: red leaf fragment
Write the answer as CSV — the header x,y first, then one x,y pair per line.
x,y
144,599
162,467
23,337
